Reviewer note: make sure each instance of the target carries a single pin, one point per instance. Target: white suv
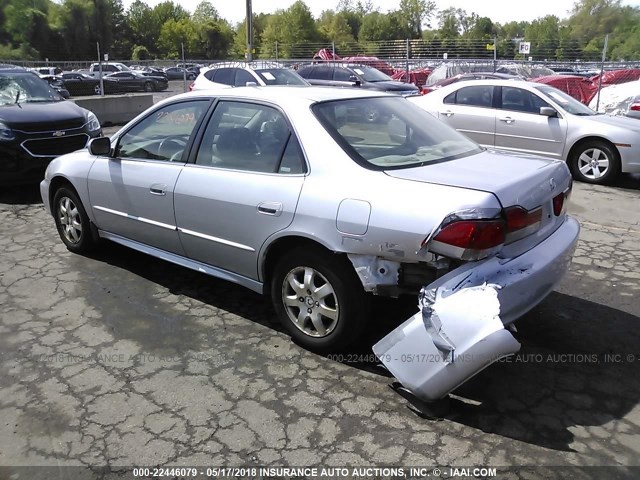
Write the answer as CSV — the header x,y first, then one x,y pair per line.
x,y
241,74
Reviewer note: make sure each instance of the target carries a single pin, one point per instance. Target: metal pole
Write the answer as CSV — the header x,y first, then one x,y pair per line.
x,y
184,71
276,52
407,63
249,32
100,70
604,57
495,54
333,51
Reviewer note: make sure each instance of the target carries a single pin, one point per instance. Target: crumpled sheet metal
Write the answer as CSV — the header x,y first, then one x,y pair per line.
x,y
375,271
450,340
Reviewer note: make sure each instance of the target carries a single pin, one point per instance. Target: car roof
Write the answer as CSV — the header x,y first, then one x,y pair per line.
x,y
492,81
282,94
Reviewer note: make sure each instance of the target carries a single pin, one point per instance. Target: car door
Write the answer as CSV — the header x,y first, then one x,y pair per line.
x,y
242,187
132,193
469,109
521,127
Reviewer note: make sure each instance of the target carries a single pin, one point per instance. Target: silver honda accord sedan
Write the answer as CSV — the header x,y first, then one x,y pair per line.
x,y
293,192
537,119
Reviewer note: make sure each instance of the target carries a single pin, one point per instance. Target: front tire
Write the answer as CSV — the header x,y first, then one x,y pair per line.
x,y
148,87
319,299
72,221
595,162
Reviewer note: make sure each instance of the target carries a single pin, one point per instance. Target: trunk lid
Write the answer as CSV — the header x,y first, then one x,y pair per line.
x,y
516,180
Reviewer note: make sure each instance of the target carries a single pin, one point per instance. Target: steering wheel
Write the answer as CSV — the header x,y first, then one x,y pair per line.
x,y
172,147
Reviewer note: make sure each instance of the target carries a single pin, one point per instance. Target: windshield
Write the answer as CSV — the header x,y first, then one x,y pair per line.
x,y
389,133
567,102
280,76
25,87
370,74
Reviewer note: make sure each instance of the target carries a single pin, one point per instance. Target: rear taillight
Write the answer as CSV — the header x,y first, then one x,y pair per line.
x,y
521,222
425,90
635,107
560,201
469,239
191,87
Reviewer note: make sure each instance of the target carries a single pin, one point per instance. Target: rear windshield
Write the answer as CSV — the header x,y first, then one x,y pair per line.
x,y
390,132
280,76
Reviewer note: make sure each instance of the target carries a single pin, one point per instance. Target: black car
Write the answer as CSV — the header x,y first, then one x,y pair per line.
x,y
178,73
362,76
79,84
37,125
133,82
57,83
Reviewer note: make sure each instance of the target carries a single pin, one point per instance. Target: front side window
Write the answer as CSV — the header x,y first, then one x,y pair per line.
x,y
164,134
247,136
520,100
388,133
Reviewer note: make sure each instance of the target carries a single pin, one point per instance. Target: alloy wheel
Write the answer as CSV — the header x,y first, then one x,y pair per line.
x,y
70,220
593,163
310,302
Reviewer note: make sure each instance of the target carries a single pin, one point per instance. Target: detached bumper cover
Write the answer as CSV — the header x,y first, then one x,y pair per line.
x,y
460,328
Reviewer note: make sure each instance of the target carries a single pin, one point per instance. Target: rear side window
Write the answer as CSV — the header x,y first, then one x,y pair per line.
x,y
223,75
251,137
242,77
476,96
323,72
306,72
342,74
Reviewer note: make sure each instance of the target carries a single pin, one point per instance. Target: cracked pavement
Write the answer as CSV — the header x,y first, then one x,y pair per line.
x,y
121,359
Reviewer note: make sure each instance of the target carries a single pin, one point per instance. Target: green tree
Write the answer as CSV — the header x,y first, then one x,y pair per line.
x,y
290,27
176,33
415,13
240,37
334,27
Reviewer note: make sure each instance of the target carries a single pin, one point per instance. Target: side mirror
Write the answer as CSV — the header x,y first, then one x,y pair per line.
x,y
100,146
548,111
355,80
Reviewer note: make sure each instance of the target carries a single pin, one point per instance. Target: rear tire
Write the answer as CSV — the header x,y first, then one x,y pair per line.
x,y
595,162
148,87
319,299
72,221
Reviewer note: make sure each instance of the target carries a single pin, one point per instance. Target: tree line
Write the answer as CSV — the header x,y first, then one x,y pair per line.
x,y
69,30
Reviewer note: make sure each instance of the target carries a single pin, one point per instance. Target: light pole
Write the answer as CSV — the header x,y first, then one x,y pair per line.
x,y
249,32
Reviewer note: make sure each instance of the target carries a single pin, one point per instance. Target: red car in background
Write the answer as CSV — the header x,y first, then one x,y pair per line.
x,y
580,88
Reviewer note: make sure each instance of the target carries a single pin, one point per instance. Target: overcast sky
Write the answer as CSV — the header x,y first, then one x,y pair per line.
x,y
501,11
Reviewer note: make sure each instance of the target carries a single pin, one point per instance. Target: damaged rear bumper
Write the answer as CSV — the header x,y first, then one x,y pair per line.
x,y
523,281
460,328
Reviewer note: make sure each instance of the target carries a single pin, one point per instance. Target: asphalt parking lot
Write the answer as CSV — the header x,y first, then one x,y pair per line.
x,y
121,359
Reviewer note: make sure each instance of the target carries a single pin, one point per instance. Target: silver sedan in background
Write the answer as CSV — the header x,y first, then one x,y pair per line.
x,y
294,193
537,119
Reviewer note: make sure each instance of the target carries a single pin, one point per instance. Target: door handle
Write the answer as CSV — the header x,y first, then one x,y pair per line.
x,y
448,113
508,120
158,189
270,208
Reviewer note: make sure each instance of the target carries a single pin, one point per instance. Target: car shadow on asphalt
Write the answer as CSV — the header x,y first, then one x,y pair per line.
x,y
20,195
627,181
574,373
